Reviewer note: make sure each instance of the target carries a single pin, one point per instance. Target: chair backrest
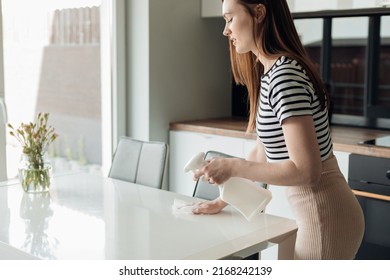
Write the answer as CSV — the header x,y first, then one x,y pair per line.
x,y
141,162
203,189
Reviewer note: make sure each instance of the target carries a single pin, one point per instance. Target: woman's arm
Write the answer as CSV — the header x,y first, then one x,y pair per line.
x,y
302,169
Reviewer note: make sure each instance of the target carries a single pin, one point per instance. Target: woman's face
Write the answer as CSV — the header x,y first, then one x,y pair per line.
x,y
239,26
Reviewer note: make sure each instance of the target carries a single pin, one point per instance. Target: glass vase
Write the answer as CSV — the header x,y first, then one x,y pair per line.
x,y
34,173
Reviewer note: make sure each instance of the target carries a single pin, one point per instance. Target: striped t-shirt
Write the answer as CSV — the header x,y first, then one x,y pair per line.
x,y
286,91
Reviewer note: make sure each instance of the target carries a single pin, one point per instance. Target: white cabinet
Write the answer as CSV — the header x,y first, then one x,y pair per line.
x,y
211,8
343,161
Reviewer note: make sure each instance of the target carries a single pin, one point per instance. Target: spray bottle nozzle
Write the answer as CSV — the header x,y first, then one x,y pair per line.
x,y
195,163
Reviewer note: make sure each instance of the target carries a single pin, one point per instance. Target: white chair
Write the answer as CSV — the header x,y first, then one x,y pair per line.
x,y
141,162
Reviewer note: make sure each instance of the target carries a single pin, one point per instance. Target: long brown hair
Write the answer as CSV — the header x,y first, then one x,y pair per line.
x,y
275,36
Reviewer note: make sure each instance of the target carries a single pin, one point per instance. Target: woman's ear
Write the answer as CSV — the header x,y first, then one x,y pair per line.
x,y
260,12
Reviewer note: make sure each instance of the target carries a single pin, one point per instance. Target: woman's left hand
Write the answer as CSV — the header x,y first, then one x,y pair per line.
x,y
209,207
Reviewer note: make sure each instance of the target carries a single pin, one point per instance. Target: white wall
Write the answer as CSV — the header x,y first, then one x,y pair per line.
x,y
138,65
310,5
178,66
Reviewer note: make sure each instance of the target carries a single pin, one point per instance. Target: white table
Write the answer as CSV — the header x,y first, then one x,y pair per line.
x,y
86,216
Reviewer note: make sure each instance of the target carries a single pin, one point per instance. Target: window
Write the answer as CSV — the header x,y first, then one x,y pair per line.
x,y
348,65
52,64
310,33
354,57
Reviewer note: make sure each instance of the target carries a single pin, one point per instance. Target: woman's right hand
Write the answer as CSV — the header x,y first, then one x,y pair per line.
x,y
209,207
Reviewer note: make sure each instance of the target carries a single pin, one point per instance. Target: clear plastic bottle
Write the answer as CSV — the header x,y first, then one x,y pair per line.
x,y
244,195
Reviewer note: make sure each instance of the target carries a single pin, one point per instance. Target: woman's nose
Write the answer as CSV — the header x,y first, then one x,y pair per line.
x,y
226,31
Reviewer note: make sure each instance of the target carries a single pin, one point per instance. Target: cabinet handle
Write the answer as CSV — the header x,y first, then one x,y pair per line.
x,y
372,195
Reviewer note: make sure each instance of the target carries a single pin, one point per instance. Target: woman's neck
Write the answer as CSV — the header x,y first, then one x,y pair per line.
x,y
267,62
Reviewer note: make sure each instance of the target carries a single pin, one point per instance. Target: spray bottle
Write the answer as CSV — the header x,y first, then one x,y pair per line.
x,y
243,194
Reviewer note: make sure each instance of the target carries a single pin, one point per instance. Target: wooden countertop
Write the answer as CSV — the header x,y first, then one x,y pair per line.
x,y
345,139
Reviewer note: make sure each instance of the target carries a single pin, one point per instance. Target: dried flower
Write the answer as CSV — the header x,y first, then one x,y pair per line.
x,y
35,139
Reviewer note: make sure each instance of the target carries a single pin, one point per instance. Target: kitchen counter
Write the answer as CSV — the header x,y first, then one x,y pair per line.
x,y
345,139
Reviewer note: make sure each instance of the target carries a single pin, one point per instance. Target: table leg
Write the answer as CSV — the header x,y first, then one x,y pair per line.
x,y
286,245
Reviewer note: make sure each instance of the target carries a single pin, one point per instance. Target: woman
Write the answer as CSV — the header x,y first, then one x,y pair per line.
x,y
288,111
